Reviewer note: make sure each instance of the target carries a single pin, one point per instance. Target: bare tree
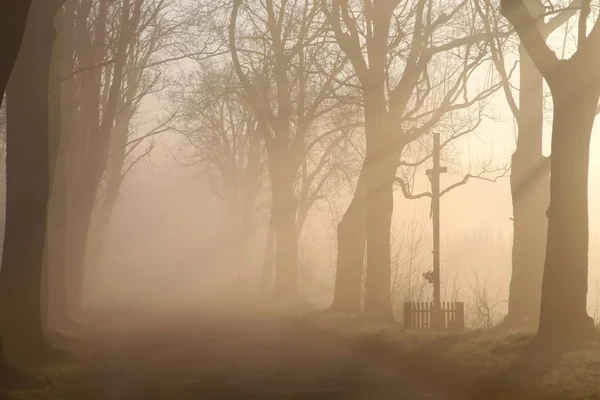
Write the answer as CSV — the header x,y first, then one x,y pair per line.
x,y
14,15
28,189
481,305
322,175
290,72
107,73
399,109
13,24
530,178
144,75
223,137
575,91
3,149
326,160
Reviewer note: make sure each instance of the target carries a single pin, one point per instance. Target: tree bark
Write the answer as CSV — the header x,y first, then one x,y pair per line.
x,y
352,238
101,220
94,247
563,313
530,197
13,18
5,368
380,205
286,245
79,215
269,260
380,167
89,154
54,127
234,236
62,108
530,182
285,205
28,181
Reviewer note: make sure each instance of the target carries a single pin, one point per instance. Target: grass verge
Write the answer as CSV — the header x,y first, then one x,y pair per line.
x,y
480,364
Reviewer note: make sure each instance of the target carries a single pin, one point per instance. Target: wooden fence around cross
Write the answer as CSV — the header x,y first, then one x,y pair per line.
x,y
417,315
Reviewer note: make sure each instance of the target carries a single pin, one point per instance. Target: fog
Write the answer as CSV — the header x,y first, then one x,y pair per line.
x,y
304,200
167,245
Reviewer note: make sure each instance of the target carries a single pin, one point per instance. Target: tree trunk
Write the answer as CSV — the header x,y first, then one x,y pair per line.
x,y
352,236
234,235
286,245
27,184
79,215
12,378
380,167
116,164
285,206
54,128
269,260
13,18
81,189
530,182
5,368
530,198
563,314
94,150
62,108
94,248
380,205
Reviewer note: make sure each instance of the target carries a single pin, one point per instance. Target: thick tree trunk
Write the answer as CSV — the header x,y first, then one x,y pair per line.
x,y
54,128
530,199
380,167
6,369
380,205
62,106
79,215
269,260
12,378
81,189
234,235
100,223
58,316
62,110
101,218
352,236
284,210
28,181
530,189
563,314
286,245
89,153
13,18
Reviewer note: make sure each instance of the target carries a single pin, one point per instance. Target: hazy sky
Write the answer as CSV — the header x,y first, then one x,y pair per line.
x,y
174,219
478,204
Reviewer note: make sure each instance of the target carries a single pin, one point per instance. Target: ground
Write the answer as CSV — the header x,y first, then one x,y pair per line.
x,y
226,356
258,354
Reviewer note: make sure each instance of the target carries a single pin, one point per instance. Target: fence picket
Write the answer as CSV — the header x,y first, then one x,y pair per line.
x,y
417,315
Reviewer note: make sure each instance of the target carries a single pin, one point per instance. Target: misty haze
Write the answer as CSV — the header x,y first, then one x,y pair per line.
x,y
326,199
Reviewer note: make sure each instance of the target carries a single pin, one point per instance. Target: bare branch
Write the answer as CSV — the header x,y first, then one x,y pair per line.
x,y
526,27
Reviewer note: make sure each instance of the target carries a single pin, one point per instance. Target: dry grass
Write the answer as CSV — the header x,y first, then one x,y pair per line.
x,y
483,364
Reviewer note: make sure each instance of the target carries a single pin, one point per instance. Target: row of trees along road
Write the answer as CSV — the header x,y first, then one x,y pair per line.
x,y
83,69
302,79
575,91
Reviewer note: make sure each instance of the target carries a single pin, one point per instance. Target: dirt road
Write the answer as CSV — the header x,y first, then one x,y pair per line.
x,y
233,357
